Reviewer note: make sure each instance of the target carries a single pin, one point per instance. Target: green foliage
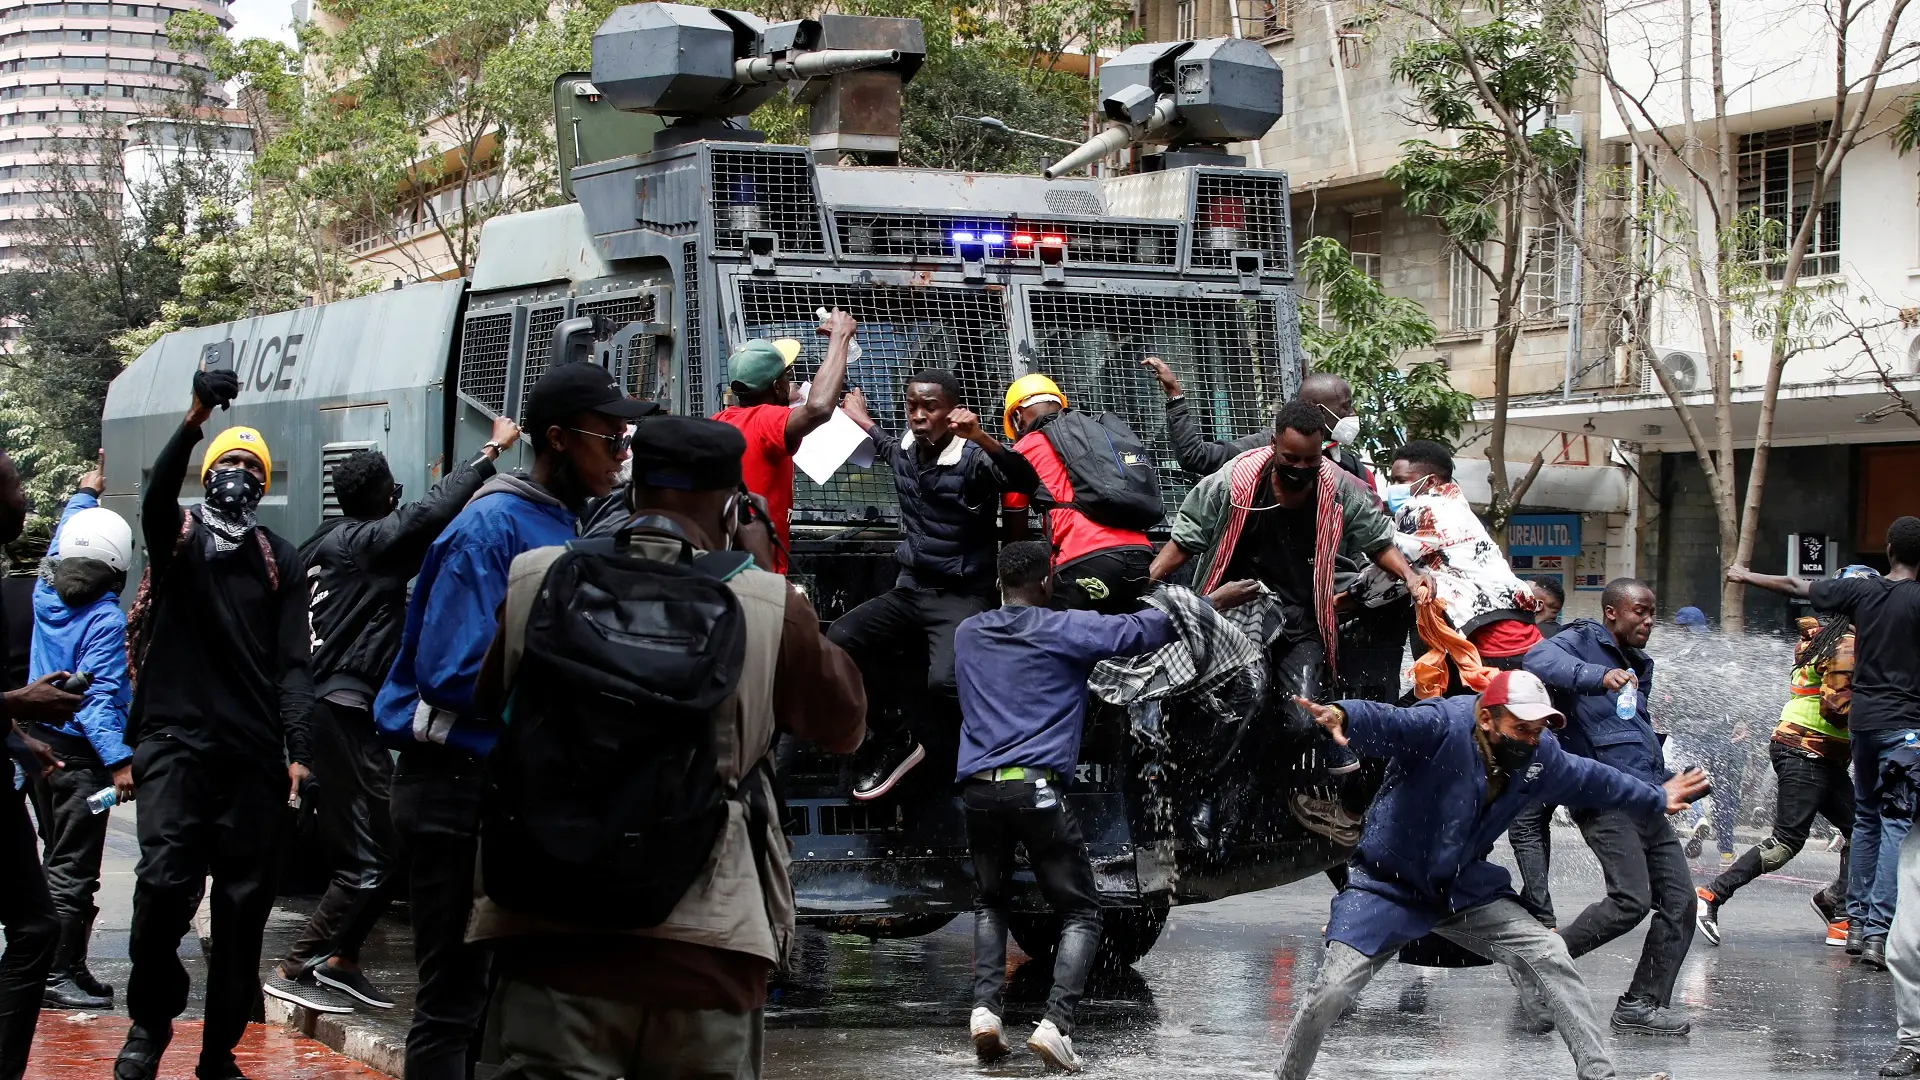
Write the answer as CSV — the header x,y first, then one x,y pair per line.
x,y
1360,336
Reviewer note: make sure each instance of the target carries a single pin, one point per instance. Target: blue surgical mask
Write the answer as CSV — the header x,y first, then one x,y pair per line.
x,y
1397,496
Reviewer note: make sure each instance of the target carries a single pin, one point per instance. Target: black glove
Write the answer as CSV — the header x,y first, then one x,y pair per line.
x,y
212,388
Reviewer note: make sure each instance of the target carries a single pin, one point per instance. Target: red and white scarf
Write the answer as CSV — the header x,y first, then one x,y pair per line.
x,y
1329,523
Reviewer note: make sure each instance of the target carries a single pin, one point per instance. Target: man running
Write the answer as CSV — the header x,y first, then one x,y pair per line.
x,y
1463,767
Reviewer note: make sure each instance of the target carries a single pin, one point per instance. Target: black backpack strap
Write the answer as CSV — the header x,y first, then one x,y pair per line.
x,y
722,565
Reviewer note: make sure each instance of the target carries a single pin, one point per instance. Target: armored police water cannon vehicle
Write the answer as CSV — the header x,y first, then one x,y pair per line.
x,y
685,234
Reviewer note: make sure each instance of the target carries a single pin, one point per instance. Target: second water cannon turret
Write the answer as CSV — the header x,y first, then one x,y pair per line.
x,y
1191,96
705,66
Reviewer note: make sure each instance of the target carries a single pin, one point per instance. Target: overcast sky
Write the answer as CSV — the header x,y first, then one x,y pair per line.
x,y
263,18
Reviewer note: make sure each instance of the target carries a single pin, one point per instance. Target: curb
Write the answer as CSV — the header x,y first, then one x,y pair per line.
x,y
337,1031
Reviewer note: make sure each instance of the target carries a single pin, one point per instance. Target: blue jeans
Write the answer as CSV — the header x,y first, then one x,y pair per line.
x,y
1873,870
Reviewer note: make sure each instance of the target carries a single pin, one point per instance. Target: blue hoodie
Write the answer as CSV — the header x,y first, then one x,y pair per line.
x,y
1423,855
92,639
455,609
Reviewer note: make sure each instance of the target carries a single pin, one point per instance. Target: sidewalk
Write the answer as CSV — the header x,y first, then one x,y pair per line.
x,y
81,1046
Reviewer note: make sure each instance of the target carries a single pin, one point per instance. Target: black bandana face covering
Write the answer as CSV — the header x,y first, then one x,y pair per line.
x,y
234,492
1511,755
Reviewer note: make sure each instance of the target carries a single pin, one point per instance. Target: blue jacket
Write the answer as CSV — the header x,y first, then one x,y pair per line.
x,y
92,639
1022,675
1423,855
1572,663
455,609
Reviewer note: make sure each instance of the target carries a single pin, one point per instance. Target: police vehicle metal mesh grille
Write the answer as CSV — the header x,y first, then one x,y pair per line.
x,y
484,344
1225,350
765,191
540,324
902,331
1232,213
619,310
690,328
912,236
330,455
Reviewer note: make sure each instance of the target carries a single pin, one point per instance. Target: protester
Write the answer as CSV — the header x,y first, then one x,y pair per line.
x,y
78,626
578,418
26,906
1885,713
218,653
951,475
1438,532
1022,672
1328,393
1281,515
685,997
1592,664
1549,597
1810,751
762,391
1463,766
1097,567
358,566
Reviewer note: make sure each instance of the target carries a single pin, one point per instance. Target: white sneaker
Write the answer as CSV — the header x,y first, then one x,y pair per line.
x,y
988,1040
1055,1048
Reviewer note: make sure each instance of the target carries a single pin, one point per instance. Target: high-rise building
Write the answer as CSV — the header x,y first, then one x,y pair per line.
x,y
62,63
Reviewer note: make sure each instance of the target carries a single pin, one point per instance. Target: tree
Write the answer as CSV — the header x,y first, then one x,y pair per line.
x,y
1486,79
1726,264
1360,336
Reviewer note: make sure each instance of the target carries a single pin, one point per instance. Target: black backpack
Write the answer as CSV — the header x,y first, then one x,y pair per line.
x,y
603,799
1114,481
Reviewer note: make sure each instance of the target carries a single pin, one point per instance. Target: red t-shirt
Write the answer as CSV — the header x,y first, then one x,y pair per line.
x,y
1505,637
767,467
1075,535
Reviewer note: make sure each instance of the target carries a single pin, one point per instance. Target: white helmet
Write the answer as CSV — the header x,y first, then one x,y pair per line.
x,y
98,533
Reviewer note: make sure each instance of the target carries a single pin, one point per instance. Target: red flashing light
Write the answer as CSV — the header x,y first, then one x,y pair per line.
x,y
1059,241
1022,239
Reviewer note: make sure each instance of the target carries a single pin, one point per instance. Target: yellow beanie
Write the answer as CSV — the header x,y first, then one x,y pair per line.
x,y
238,438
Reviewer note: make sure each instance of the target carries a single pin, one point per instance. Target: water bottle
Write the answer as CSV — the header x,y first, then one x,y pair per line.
x,y
853,347
101,801
1627,705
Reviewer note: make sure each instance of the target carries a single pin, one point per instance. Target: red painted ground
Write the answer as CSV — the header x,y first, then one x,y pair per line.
x,y
66,1049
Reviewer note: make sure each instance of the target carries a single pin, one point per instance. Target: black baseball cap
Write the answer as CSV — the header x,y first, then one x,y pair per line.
x,y
688,453
581,386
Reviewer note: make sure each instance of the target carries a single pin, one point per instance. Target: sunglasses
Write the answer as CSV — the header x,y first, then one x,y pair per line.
x,y
616,444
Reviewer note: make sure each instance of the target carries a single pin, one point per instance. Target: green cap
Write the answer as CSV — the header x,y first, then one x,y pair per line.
x,y
759,363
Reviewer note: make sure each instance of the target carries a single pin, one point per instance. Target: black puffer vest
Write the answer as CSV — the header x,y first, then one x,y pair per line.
x,y
947,521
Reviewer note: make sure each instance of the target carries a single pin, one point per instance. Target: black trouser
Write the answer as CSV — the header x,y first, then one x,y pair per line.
x,y
436,814
26,909
1531,835
1646,870
354,775
875,633
75,837
1000,815
202,814
1109,582
1809,785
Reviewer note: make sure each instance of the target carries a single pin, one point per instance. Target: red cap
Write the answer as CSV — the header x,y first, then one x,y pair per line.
x,y
1525,696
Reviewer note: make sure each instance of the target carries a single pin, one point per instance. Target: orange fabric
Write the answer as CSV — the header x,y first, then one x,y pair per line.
x,y
1430,671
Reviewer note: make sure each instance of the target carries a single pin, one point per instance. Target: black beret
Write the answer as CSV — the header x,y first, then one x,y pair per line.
x,y
687,453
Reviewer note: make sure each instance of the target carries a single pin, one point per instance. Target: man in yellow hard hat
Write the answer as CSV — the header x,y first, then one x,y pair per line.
x,y
1100,548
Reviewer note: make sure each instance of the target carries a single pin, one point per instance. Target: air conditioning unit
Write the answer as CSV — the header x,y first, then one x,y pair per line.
x,y
1913,356
1687,369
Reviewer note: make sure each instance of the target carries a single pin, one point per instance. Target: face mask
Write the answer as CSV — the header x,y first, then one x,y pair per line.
x,y
1294,477
1397,496
1346,429
1511,755
234,491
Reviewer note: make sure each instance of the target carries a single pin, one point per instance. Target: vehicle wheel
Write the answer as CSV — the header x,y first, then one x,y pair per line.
x,y
889,926
1126,934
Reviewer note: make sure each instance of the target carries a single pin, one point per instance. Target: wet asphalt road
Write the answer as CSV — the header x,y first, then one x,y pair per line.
x,y
1214,998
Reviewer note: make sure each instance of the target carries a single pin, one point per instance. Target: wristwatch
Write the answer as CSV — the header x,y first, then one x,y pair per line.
x,y
493,446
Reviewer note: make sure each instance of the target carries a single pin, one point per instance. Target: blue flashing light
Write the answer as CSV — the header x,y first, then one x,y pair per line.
x,y
992,238
963,238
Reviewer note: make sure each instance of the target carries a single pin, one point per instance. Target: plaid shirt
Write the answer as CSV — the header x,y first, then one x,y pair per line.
x,y
1214,648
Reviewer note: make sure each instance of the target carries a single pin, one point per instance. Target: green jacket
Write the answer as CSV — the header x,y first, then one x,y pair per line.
x,y
1201,521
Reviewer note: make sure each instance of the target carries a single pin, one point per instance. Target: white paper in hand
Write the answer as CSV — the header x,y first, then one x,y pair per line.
x,y
831,445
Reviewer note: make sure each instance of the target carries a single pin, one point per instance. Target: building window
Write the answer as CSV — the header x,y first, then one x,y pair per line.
x,y
1363,242
1268,19
1184,19
1550,262
1464,285
1777,171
